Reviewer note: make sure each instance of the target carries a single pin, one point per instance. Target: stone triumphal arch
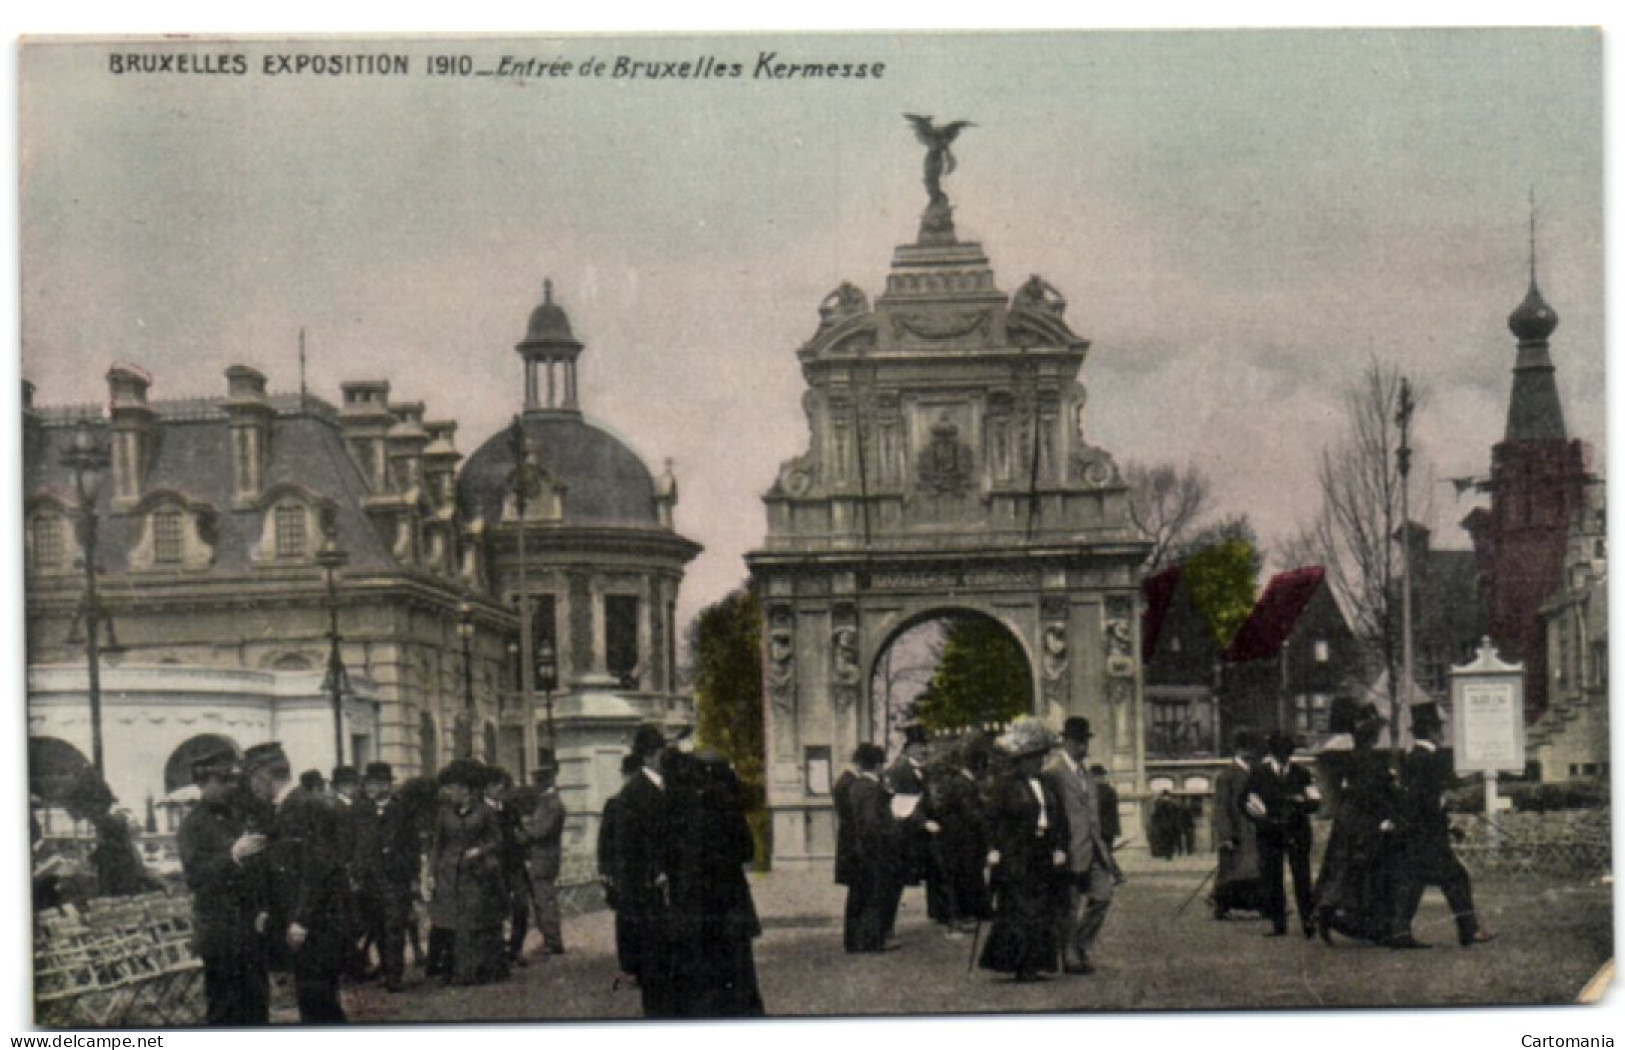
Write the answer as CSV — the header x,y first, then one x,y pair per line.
x,y
946,468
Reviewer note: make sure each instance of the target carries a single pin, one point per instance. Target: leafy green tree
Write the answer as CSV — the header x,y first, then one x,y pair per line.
x,y
1220,568
982,677
725,650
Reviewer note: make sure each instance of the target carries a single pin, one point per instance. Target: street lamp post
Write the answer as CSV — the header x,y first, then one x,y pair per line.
x,y
547,671
465,631
331,558
89,461
518,448
1406,406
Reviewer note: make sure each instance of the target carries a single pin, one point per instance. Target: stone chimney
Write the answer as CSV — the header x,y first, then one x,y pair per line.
x,y
407,439
134,427
364,421
440,459
248,419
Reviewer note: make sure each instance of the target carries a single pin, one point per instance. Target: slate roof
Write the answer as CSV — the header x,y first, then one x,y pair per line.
x,y
191,456
1275,615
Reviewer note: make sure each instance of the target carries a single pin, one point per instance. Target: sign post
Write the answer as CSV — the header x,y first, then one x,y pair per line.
x,y
1487,714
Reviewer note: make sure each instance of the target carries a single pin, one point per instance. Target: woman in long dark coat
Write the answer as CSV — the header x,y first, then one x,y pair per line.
x,y
1354,892
470,898
1029,834
713,919
1239,886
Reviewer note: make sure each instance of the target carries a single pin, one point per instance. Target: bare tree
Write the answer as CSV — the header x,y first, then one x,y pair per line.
x,y
1355,534
1165,503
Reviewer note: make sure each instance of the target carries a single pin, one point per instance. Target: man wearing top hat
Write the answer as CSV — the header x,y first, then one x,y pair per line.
x,y
544,838
643,851
385,863
1280,797
229,901
1424,857
308,927
906,779
1089,862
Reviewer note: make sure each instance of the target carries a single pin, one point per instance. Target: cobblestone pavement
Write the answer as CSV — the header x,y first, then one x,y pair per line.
x,y
1553,937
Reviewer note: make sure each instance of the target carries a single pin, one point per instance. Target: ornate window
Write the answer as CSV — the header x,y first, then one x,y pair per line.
x,y
291,539
168,539
621,638
50,546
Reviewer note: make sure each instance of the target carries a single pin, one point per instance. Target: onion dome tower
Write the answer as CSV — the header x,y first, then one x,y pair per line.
x,y
1537,483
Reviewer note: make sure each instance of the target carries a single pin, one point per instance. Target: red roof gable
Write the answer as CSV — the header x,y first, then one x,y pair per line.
x,y
1159,596
1272,620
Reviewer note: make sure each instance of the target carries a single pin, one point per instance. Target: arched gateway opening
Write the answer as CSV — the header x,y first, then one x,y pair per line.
x,y
946,470
948,670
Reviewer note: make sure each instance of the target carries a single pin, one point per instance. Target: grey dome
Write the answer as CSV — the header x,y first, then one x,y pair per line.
x,y
607,484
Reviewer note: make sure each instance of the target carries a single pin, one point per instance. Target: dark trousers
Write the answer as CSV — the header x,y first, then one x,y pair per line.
x,y
548,920
871,909
238,991
1417,870
394,913
316,968
518,913
1278,850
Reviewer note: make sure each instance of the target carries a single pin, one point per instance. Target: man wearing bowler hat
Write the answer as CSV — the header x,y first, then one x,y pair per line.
x,y
544,837
308,910
1088,856
385,865
1280,797
643,887
1424,856
229,902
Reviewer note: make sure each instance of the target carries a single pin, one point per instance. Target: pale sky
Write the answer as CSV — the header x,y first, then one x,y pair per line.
x,y
1239,221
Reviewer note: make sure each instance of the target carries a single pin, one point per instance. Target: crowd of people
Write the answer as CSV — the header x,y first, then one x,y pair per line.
x,y
1019,836
326,881
1021,833
1390,837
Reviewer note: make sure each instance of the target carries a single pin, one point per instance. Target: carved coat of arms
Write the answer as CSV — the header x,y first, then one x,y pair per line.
x,y
947,465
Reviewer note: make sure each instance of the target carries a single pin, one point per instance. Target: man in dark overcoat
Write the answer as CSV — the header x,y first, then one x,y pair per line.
x,y
385,865
309,912
544,838
875,868
907,778
643,887
1236,886
1280,798
230,904
1424,857
958,805
609,854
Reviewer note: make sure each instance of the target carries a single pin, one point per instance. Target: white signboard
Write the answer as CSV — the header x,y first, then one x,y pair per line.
x,y
1489,724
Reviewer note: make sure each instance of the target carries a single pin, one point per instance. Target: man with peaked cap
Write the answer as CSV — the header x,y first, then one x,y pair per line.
x,y
643,862
1236,887
230,904
308,929
874,866
384,866
1424,857
544,838
1280,798
348,803
1089,866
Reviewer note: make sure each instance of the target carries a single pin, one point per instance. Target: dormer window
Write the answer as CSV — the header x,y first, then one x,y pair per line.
x,y
291,531
168,539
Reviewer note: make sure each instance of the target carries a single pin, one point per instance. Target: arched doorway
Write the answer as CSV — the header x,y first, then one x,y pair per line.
x,y
428,744
948,669
178,770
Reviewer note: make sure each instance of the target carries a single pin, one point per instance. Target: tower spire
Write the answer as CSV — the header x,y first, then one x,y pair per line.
x,y
1531,236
